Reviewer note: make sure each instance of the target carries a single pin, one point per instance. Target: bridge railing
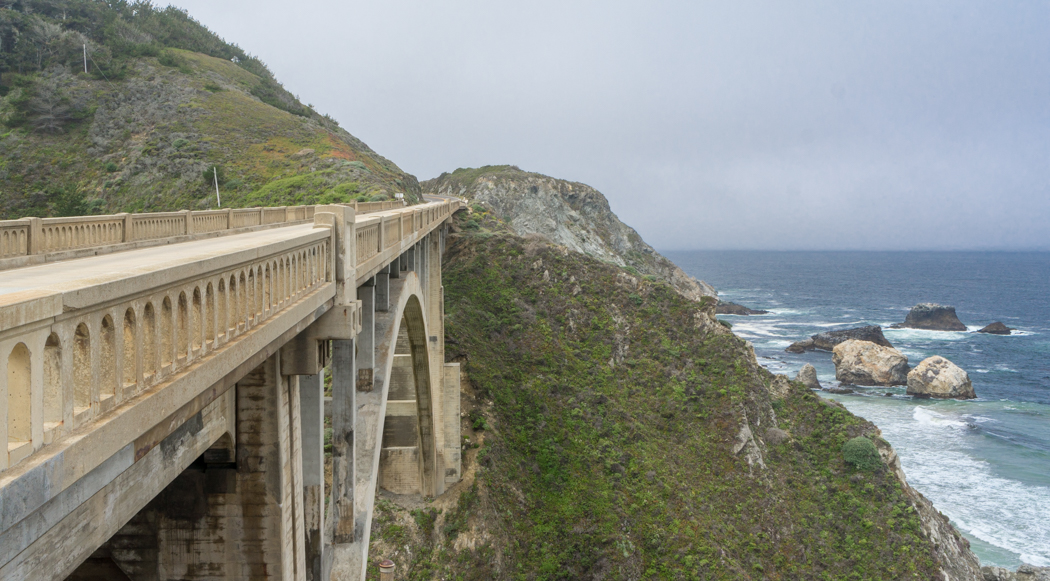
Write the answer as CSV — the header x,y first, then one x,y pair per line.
x,y
68,357
70,237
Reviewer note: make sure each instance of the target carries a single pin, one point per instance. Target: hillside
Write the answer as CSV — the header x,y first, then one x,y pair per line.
x,y
616,430
166,104
570,214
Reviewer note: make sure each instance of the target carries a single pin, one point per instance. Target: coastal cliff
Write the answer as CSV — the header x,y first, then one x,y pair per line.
x,y
571,214
617,430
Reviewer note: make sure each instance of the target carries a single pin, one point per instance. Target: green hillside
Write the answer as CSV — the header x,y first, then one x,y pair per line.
x,y
165,108
618,431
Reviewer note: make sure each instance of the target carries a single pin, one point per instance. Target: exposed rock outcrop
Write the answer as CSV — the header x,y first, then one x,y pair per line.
x,y
956,560
808,376
865,363
932,317
827,340
570,214
996,328
937,377
1023,573
724,308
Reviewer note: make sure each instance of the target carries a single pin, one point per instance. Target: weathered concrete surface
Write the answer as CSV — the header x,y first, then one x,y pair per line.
x,y
245,310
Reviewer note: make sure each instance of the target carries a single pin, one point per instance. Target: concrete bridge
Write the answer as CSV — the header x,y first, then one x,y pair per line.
x,y
163,381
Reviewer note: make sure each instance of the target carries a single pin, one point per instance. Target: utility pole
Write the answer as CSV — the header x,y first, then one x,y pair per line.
x,y
85,59
215,174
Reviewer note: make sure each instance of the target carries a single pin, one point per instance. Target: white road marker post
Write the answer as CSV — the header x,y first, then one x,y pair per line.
x,y
215,174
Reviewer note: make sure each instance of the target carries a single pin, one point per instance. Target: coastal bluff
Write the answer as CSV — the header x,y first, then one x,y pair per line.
x,y
569,214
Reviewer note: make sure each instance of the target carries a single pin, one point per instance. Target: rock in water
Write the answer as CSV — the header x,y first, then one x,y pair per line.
x,y
724,308
933,317
996,328
1024,573
808,376
865,363
827,340
940,378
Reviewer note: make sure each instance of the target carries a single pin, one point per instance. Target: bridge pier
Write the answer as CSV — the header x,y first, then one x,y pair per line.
x,y
344,410
311,408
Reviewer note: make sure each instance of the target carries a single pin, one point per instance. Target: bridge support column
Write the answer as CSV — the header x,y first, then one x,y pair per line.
x,y
344,409
382,286
311,406
366,338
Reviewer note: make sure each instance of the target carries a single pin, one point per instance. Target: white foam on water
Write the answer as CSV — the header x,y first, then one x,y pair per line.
x,y
933,447
756,329
906,335
837,324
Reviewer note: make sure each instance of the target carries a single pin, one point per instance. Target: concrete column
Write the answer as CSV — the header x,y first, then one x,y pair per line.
x,y
395,268
226,520
344,408
311,410
382,282
409,259
366,339
424,255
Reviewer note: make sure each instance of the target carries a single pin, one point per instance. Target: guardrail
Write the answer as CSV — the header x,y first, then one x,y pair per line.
x,y
76,364
48,236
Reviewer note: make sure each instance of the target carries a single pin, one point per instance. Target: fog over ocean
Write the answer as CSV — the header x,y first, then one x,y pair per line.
x,y
985,463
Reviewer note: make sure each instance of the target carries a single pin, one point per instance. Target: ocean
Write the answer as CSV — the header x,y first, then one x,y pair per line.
x,y
984,463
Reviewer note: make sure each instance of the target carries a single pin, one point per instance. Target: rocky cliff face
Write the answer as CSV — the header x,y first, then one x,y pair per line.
x,y
570,214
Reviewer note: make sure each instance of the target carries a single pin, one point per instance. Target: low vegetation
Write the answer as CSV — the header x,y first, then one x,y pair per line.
x,y
164,106
613,443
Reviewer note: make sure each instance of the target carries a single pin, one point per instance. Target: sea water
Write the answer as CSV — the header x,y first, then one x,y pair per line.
x,y
984,463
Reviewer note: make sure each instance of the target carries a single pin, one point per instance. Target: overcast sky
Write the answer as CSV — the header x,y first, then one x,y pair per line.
x,y
773,125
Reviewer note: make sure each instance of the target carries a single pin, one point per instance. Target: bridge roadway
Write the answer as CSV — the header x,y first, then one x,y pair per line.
x,y
162,389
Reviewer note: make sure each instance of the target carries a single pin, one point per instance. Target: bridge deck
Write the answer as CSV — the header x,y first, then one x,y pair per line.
x,y
78,273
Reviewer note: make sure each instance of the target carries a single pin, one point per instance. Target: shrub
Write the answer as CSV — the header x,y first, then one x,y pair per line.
x,y
170,58
212,173
111,167
862,454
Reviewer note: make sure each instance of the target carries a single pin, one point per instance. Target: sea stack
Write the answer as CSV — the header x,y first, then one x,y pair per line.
x,y
937,377
996,328
808,376
865,363
726,308
932,317
827,340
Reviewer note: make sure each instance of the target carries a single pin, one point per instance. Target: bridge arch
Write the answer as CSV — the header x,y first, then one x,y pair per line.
x,y
408,377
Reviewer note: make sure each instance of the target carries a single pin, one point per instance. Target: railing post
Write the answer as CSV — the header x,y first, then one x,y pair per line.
x,y
128,234
262,216
36,237
187,228
229,218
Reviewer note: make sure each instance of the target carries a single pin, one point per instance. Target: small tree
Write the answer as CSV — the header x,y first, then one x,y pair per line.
x,y
862,454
